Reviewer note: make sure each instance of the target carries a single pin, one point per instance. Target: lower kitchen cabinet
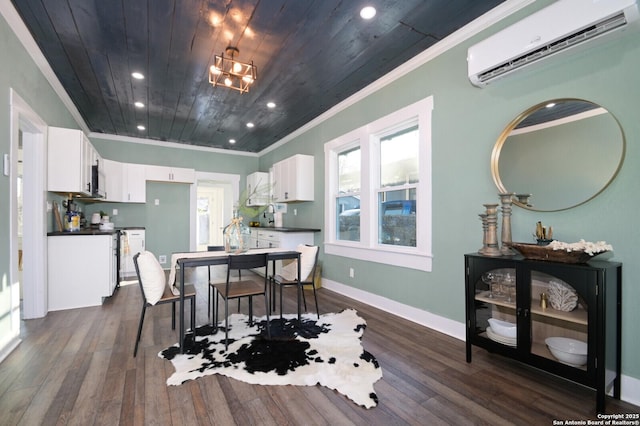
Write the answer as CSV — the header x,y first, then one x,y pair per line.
x,y
267,238
82,270
530,302
287,238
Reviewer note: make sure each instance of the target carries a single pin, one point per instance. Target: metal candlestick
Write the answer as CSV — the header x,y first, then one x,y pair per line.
x,y
492,231
507,201
483,218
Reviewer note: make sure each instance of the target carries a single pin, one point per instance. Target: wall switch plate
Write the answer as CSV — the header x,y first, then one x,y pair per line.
x,y
162,259
157,202
115,212
351,273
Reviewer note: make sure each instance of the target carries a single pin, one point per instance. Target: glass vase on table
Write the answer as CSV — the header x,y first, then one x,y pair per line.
x,y
237,236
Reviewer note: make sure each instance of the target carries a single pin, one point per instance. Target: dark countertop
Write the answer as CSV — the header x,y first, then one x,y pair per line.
x,y
81,232
285,229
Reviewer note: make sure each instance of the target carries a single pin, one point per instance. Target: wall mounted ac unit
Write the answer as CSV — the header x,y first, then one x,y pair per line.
x,y
554,29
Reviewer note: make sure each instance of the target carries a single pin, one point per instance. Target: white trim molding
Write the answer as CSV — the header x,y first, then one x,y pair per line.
x,y
629,386
427,319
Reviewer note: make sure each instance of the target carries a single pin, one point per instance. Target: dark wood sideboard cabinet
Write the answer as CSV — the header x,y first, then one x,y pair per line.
x,y
516,298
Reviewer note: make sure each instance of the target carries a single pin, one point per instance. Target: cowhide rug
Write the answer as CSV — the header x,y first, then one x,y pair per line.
x,y
325,351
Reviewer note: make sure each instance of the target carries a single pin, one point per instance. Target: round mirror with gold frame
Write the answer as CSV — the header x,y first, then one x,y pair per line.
x,y
558,154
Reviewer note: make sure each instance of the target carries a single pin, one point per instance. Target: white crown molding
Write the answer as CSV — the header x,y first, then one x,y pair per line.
x,y
479,24
143,141
485,21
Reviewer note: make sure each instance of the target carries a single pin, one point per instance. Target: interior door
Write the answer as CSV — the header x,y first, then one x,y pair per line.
x,y
212,199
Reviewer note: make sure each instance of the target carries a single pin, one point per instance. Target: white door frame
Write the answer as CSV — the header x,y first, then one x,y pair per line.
x,y
34,240
232,179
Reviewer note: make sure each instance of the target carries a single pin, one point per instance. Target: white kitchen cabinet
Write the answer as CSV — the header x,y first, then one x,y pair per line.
x,y
70,156
125,182
293,179
258,182
82,270
272,237
134,183
170,174
114,174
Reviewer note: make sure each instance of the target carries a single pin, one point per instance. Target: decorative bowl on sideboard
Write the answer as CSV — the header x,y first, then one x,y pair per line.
x,y
537,252
568,351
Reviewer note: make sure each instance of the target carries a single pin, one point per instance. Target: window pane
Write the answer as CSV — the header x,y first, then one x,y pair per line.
x,y
399,158
348,215
397,217
349,171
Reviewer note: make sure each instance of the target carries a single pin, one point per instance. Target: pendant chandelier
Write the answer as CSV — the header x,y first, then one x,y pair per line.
x,y
231,73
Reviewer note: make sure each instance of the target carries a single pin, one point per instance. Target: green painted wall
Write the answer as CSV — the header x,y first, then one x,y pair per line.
x,y
466,123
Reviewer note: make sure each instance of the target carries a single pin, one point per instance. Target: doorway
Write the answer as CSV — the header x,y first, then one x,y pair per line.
x,y
212,199
210,211
27,204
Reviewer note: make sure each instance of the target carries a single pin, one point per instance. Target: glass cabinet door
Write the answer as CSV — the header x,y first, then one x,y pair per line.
x,y
559,320
495,305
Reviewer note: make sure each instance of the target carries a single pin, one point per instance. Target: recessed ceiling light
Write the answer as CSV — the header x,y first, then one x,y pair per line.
x,y
139,104
232,141
368,12
249,125
141,127
271,104
137,75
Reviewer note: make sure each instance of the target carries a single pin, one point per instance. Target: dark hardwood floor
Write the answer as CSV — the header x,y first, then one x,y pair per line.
x,y
77,367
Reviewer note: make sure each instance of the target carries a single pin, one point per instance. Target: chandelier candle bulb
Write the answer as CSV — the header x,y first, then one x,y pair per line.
x,y
229,72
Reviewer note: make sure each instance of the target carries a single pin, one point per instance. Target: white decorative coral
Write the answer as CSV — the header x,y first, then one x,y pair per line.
x,y
582,245
561,296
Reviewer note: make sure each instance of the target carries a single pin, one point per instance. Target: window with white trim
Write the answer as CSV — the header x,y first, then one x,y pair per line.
x,y
378,190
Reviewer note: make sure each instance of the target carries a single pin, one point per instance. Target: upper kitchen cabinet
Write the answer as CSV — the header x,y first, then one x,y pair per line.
x,y
113,171
170,174
134,183
125,182
258,189
70,157
293,179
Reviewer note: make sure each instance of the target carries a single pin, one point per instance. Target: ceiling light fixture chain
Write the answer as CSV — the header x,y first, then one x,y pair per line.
x,y
227,71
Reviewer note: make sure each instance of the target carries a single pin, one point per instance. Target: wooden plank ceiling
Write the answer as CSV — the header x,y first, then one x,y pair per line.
x,y
310,55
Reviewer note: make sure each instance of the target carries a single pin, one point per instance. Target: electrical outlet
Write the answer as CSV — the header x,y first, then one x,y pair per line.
x,y
157,202
295,212
162,259
351,273
114,212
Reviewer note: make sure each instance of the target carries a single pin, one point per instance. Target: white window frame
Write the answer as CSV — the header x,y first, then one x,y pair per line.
x,y
367,138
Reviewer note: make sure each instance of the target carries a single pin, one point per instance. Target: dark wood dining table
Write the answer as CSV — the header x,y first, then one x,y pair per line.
x,y
210,258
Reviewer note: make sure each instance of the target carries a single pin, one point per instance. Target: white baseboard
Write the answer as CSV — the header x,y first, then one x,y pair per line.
x,y
9,348
630,389
629,386
435,322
